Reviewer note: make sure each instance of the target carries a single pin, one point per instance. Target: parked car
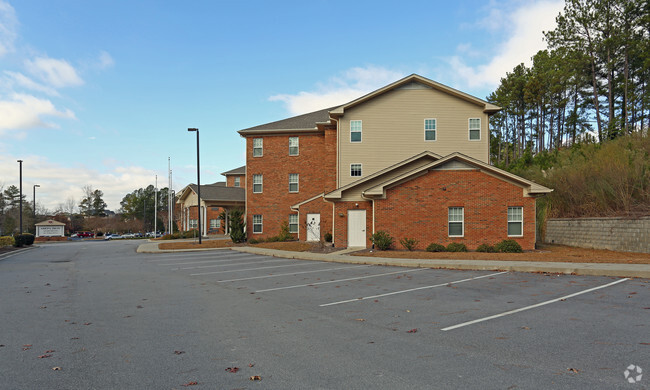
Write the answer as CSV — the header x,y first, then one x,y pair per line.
x,y
113,237
154,234
128,235
83,234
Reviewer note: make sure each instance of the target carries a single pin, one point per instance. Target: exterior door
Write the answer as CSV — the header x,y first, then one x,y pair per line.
x,y
357,228
313,227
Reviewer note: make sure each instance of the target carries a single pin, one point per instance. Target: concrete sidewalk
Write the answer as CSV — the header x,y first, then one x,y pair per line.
x,y
593,269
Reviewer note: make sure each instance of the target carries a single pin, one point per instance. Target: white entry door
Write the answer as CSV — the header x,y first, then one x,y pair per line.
x,y
357,228
313,227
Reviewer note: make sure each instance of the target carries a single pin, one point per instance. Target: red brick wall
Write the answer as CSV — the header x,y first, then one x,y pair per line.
x,y
212,213
230,180
419,209
315,164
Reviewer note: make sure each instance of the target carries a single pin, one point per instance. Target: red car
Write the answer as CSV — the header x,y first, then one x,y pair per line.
x,y
85,234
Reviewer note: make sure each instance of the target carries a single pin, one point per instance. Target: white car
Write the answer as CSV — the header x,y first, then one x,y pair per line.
x,y
128,235
113,237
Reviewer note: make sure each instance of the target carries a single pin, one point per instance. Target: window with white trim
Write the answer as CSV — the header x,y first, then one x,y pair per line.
x,y
258,147
355,170
237,181
257,223
194,223
293,182
293,223
355,131
293,146
257,184
475,129
515,221
215,223
456,222
430,129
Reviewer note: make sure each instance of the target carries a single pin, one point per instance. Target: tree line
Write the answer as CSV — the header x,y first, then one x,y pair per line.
x,y
591,84
139,211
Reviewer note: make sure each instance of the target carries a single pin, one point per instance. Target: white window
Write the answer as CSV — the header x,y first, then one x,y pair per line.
x,y
355,131
257,223
194,223
293,223
293,182
237,181
257,184
515,221
456,217
355,170
215,223
429,129
293,146
475,129
258,147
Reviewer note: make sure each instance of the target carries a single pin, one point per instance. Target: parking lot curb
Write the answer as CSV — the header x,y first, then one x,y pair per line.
x,y
589,269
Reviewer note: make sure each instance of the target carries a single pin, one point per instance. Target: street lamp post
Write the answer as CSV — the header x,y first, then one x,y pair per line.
x,y
198,179
20,210
35,185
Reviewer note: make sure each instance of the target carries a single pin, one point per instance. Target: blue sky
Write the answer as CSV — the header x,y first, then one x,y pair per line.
x,y
101,93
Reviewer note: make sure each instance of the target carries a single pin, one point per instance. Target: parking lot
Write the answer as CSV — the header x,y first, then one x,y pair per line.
x,y
576,326
112,318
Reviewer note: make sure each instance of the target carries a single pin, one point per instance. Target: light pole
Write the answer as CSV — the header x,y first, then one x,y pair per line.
x,y
35,185
198,179
155,209
20,210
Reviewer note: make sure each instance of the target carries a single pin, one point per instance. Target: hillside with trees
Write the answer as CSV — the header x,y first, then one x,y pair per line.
x,y
577,120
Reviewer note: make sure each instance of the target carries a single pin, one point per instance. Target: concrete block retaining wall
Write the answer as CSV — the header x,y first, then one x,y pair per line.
x,y
619,234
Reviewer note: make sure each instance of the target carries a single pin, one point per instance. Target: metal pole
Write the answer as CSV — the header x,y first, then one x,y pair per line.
x,y
198,179
35,185
20,162
155,209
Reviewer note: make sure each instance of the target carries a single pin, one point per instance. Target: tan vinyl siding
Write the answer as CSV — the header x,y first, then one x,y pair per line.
x,y
393,129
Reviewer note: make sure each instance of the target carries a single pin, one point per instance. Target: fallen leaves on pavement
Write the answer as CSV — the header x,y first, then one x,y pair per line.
x,y
412,331
255,378
232,369
192,383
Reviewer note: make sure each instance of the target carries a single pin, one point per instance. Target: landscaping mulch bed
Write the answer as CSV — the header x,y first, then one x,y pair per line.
x,y
548,253
205,244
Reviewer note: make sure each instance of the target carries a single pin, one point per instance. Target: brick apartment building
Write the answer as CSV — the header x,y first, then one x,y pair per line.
x,y
410,159
215,198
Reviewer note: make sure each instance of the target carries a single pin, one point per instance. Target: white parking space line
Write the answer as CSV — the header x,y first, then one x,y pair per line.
x,y
229,265
338,280
255,269
290,274
532,306
411,289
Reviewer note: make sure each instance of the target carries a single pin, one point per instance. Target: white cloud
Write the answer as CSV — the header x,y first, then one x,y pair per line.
x,y
20,80
338,90
8,23
58,182
57,73
524,27
25,111
105,60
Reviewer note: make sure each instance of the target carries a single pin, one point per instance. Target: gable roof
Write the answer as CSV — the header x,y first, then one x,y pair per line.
x,y
307,122
487,107
237,171
374,186
217,192
425,156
